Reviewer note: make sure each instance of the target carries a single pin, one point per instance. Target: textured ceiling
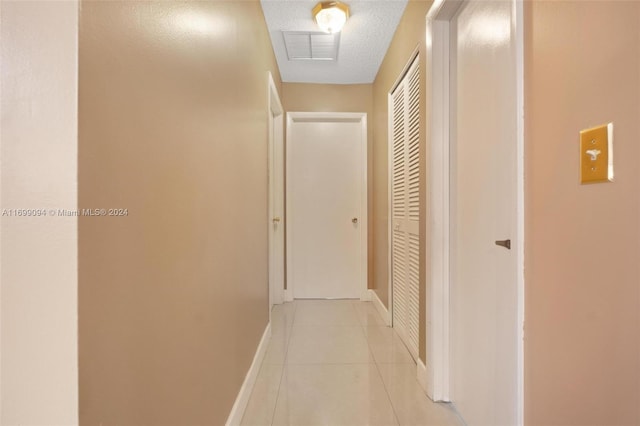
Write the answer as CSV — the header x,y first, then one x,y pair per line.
x,y
363,42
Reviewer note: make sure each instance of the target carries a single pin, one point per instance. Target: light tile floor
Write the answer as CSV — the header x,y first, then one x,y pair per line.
x,y
334,362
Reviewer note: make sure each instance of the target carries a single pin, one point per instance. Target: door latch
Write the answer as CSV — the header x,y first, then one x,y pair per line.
x,y
504,243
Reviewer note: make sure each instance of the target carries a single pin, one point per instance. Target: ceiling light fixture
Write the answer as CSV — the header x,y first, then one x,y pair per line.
x,y
331,15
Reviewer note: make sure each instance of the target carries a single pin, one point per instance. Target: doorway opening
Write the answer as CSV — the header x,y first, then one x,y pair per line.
x,y
476,198
275,218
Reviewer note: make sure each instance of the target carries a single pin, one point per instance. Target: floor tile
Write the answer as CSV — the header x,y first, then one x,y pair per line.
x,y
276,352
325,344
367,314
324,302
338,394
410,402
334,362
386,345
262,403
330,312
282,318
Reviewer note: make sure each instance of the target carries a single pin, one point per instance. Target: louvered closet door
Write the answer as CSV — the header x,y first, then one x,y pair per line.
x,y
405,205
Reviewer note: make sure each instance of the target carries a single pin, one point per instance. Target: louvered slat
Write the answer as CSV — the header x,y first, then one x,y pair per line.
x,y
398,182
413,293
399,280
405,199
414,142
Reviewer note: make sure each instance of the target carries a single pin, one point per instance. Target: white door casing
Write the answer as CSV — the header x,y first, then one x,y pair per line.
x,y
484,58
276,196
326,205
404,184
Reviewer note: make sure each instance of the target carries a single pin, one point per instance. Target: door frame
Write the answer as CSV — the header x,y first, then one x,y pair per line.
x,y
354,117
438,103
275,120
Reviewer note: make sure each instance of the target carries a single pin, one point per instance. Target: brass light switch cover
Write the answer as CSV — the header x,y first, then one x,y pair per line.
x,y
596,155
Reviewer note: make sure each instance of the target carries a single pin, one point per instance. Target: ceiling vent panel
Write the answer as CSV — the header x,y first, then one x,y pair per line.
x,y
311,46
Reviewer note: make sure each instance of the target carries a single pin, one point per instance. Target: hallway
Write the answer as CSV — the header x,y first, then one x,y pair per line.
x,y
334,362
149,150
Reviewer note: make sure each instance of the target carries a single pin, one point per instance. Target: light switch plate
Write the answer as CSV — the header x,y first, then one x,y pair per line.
x,y
596,154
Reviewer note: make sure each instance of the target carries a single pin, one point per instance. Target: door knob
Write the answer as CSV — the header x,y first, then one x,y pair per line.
x,y
504,243
354,220
276,219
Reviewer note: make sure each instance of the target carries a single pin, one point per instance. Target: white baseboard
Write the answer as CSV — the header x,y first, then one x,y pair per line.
x,y
422,373
382,310
237,411
288,295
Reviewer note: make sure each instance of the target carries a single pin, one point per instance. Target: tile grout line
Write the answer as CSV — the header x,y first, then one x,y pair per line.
x,y
395,413
384,385
353,306
262,366
284,363
362,327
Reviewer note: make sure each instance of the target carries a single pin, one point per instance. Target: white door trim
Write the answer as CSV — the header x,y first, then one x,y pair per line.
x,y
437,41
518,23
275,119
354,117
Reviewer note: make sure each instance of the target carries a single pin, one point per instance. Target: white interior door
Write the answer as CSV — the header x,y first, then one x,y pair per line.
x,y
326,205
404,125
483,206
276,197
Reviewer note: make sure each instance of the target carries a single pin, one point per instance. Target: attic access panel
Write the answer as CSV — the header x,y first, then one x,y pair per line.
x,y
311,46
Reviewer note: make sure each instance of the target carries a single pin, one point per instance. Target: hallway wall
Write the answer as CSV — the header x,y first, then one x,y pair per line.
x,y
173,297
39,143
306,97
582,272
410,34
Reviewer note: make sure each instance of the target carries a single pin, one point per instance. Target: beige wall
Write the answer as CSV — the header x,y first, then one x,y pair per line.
x,y
38,137
307,97
409,35
303,97
582,335
173,298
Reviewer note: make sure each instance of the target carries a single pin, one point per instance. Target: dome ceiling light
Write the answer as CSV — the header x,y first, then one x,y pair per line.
x,y
331,15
